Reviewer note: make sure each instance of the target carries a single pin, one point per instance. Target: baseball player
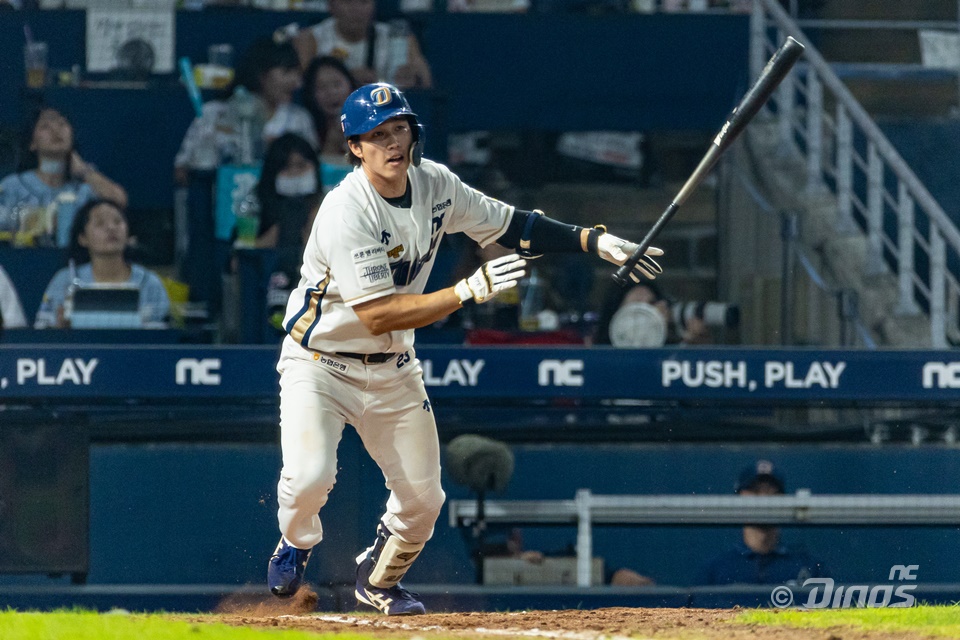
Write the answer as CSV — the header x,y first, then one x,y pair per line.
x,y
348,356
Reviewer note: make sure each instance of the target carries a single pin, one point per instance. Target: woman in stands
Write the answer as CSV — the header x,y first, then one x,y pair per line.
x,y
289,193
326,84
259,110
53,183
99,239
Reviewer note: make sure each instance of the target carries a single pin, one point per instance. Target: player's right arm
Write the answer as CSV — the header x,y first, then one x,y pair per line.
x,y
531,233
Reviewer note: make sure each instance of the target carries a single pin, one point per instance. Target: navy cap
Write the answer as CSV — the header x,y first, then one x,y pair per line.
x,y
760,471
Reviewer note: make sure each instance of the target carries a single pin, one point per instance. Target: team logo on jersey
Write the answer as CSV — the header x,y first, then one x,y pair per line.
x,y
405,271
440,206
395,252
385,237
381,96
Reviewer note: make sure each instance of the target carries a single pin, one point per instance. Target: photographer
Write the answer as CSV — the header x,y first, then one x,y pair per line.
x,y
641,316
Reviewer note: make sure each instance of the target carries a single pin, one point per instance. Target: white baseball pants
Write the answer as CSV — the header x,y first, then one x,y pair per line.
x,y
387,404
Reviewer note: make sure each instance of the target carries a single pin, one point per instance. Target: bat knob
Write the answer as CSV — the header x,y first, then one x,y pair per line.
x,y
622,276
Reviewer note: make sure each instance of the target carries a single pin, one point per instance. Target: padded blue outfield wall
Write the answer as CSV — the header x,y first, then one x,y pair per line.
x,y
205,513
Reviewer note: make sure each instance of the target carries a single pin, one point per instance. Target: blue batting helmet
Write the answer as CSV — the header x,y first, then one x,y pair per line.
x,y
371,105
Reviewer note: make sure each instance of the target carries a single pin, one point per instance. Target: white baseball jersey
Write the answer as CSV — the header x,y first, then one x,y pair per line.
x,y
362,248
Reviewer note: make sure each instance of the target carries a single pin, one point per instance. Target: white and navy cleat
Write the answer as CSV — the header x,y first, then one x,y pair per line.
x,y
285,569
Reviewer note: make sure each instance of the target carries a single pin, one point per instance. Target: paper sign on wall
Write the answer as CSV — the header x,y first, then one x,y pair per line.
x,y
939,49
134,38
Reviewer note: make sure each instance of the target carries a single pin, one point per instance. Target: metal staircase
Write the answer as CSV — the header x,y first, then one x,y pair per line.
x,y
867,214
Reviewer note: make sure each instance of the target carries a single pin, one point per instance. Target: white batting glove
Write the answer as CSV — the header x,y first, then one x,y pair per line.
x,y
617,250
492,278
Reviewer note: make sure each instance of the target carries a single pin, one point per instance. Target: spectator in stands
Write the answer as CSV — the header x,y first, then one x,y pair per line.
x,y
326,84
11,311
364,45
760,557
54,182
289,194
639,316
99,239
259,110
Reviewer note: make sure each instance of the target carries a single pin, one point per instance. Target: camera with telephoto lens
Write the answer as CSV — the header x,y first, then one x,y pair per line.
x,y
711,313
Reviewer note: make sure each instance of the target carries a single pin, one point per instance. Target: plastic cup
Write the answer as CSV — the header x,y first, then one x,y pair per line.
x,y
35,62
247,227
220,55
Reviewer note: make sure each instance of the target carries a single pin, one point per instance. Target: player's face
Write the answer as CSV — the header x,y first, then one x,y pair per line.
x,y
761,488
105,233
385,152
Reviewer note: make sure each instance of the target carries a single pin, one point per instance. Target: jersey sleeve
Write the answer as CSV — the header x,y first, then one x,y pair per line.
x,y
476,214
358,260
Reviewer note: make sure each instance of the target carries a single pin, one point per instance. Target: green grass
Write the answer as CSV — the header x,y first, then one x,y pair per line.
x,y
86,625
922,620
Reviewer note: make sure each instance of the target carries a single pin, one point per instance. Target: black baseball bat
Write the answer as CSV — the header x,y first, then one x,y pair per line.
x,y
773,73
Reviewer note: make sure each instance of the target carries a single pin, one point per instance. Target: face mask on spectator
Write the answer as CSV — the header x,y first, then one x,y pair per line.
x,y
51,167
293,186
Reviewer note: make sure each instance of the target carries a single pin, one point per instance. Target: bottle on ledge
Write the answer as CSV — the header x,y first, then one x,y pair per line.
x,y
531,302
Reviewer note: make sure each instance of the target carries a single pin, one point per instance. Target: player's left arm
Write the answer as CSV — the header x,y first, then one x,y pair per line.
x,y
400,311
533,234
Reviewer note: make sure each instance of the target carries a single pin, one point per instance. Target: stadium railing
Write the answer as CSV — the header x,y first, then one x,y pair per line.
x,y
801,508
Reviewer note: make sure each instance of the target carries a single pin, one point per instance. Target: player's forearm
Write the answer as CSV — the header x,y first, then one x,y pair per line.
x,y
402,311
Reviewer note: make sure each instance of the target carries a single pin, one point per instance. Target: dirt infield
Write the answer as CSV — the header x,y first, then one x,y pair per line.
x,y
597,624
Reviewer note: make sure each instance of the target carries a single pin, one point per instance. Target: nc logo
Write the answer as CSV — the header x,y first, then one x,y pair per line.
x,y
193,371
560,373
941,375
380,96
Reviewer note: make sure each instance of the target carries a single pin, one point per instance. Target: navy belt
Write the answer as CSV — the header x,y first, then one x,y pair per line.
x,y
369,358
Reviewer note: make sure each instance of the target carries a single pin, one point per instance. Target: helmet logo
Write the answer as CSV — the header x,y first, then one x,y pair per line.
x,y
381,96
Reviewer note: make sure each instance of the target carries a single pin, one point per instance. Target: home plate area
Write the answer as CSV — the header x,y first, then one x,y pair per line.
x,y
598,624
